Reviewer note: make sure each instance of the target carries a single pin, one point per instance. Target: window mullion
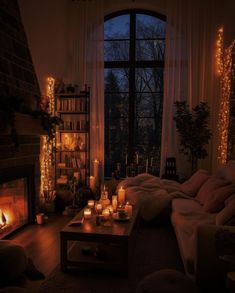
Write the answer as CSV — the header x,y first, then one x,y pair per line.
x,y
131,141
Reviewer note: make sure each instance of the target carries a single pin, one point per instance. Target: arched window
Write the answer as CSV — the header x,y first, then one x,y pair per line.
x,y
134,49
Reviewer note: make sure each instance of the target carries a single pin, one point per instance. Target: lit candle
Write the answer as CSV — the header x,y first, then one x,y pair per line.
x,y
92,183
128,209
96,171
91,203
98,207
87,213
106,214
114,202
121,195
147,163
137,158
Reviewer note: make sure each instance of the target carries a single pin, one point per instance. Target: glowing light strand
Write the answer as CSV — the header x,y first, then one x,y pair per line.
x,y
47,146
224,60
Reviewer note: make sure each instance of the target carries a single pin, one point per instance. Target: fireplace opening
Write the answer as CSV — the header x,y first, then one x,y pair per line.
x,y
16,199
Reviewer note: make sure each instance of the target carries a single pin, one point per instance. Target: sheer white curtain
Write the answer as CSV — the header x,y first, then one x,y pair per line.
x,y
189,71
85,63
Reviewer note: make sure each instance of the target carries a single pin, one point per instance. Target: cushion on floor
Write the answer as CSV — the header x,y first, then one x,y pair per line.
x,y
166,281
13,260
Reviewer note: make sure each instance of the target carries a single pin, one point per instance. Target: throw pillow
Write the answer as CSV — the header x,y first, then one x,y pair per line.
x,y
216,202
207,190
191,186
226,214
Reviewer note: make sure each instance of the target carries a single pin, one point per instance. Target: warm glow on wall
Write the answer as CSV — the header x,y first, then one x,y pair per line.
x,y
224,62
47,146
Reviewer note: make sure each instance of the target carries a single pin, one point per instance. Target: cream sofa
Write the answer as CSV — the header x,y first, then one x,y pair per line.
x,y
198,208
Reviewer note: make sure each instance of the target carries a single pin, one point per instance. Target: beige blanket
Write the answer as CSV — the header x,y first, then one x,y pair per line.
x,y
152,194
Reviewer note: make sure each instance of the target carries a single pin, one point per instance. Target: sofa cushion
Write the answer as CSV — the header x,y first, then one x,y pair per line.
x,y
227,214
208,188
185,205
216,202
191,186
185,226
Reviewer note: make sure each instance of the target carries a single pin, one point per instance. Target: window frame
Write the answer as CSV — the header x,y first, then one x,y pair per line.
x,y
132,64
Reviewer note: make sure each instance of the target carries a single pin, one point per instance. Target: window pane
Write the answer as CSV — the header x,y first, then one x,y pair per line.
x,y
116,50
116,138
116,80
149,27
149,80
117,27
116,105
149,105
150,50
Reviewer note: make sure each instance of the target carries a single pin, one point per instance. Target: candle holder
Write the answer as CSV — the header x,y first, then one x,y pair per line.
x,y
87,213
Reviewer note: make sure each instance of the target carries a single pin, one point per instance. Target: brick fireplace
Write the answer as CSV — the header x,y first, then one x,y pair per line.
x,y
17,206
19,166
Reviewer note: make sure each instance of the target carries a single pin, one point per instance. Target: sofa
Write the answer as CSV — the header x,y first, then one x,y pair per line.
x,y
198,209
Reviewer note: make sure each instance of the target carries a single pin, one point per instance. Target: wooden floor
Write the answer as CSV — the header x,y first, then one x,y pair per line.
x,y
41,242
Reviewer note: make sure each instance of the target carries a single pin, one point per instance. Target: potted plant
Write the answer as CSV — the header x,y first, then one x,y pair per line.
x,y
193,130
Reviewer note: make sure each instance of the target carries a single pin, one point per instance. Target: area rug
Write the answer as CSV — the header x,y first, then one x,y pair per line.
x,y
155,248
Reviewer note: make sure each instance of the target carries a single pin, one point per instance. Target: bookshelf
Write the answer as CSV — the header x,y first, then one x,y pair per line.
x,y
73,138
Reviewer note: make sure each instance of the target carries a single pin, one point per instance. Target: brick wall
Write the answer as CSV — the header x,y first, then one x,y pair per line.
x,y
17,79
17,75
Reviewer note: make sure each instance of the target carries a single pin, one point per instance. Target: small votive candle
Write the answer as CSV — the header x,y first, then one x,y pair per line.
x,y
91,203
114,202
106,214
87,213
98,208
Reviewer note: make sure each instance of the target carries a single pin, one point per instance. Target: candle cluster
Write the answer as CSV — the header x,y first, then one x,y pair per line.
x,y
104,209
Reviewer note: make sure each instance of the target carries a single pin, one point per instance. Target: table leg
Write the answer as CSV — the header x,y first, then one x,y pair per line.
x,y
63,253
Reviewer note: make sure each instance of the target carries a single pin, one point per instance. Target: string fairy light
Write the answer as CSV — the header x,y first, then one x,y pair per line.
x,y
47,146
219,50
224,63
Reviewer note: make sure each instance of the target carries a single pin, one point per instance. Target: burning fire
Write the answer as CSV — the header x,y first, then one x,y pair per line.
x,y
3,219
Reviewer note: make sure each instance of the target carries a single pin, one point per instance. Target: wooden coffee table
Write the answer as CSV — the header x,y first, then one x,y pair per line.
x,y
106,246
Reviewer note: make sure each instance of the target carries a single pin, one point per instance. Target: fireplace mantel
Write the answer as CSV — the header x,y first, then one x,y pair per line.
x,y
26,125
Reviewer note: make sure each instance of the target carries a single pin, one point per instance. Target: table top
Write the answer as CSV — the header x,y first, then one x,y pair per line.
x,y
106,228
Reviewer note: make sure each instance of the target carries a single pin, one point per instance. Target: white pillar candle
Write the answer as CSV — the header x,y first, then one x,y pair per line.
x,y
87,213
96,170
147,165
114,202
121,195
137,158
92,183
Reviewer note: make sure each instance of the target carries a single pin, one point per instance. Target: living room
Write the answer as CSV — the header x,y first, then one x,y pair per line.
x,y
185,53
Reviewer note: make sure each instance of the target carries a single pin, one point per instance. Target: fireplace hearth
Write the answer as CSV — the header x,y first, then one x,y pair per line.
x,y
17,204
